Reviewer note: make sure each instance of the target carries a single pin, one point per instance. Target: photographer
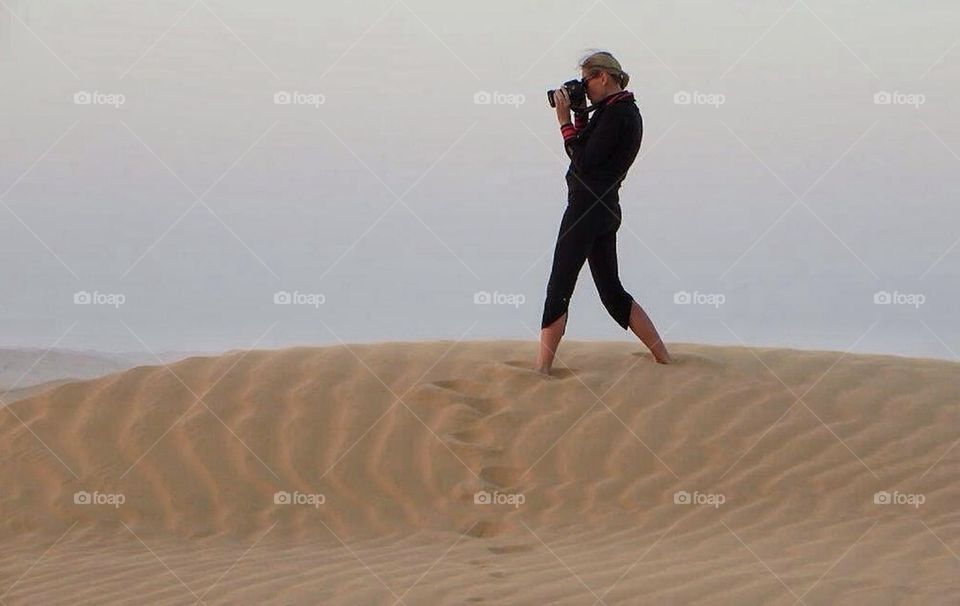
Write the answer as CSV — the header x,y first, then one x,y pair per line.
x,y
601,151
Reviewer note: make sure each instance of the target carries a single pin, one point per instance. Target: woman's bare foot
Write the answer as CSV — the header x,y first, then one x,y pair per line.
x,y
549,341
643,327
664,358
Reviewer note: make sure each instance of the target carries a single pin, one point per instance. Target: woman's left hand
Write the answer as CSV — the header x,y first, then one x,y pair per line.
x,y
562,100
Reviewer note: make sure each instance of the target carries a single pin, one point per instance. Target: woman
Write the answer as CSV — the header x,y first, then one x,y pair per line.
x,y
601,151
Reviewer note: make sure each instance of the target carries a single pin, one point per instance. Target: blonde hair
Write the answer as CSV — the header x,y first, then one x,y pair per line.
x,y
602,61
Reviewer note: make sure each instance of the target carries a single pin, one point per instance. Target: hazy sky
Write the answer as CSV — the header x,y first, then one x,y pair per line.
x,y
146,161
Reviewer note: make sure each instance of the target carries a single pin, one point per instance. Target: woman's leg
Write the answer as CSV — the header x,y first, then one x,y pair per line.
x,y
643,327
620,305
606,277
574,242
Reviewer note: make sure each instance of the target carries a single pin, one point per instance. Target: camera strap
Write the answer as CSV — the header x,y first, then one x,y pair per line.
x,y
586,110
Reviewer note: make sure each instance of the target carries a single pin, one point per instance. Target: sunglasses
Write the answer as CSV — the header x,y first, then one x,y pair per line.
x,y
584,81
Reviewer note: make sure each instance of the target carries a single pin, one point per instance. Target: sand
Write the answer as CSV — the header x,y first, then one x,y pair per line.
x,y
351,475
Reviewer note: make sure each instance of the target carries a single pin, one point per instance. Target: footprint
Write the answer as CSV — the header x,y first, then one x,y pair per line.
x,y
503,477
474,440
475,435
452,390
472,447
484,529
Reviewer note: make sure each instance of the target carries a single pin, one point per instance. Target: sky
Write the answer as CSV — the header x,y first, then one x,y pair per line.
x,y
203,175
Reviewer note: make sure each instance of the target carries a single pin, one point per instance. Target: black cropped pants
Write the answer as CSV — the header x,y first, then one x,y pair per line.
x,y
587,233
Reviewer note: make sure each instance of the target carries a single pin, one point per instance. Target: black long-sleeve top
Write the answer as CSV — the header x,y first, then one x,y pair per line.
x,y
603,149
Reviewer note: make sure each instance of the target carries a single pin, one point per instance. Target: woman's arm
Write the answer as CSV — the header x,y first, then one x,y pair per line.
x,y
579,121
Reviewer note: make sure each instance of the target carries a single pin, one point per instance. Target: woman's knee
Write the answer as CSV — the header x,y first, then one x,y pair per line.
x,y
619,308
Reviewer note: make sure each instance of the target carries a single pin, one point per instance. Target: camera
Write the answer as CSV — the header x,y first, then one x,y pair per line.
x,y
576,91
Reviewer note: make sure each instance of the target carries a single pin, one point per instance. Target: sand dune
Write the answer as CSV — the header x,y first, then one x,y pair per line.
x,y
9,396
352,475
